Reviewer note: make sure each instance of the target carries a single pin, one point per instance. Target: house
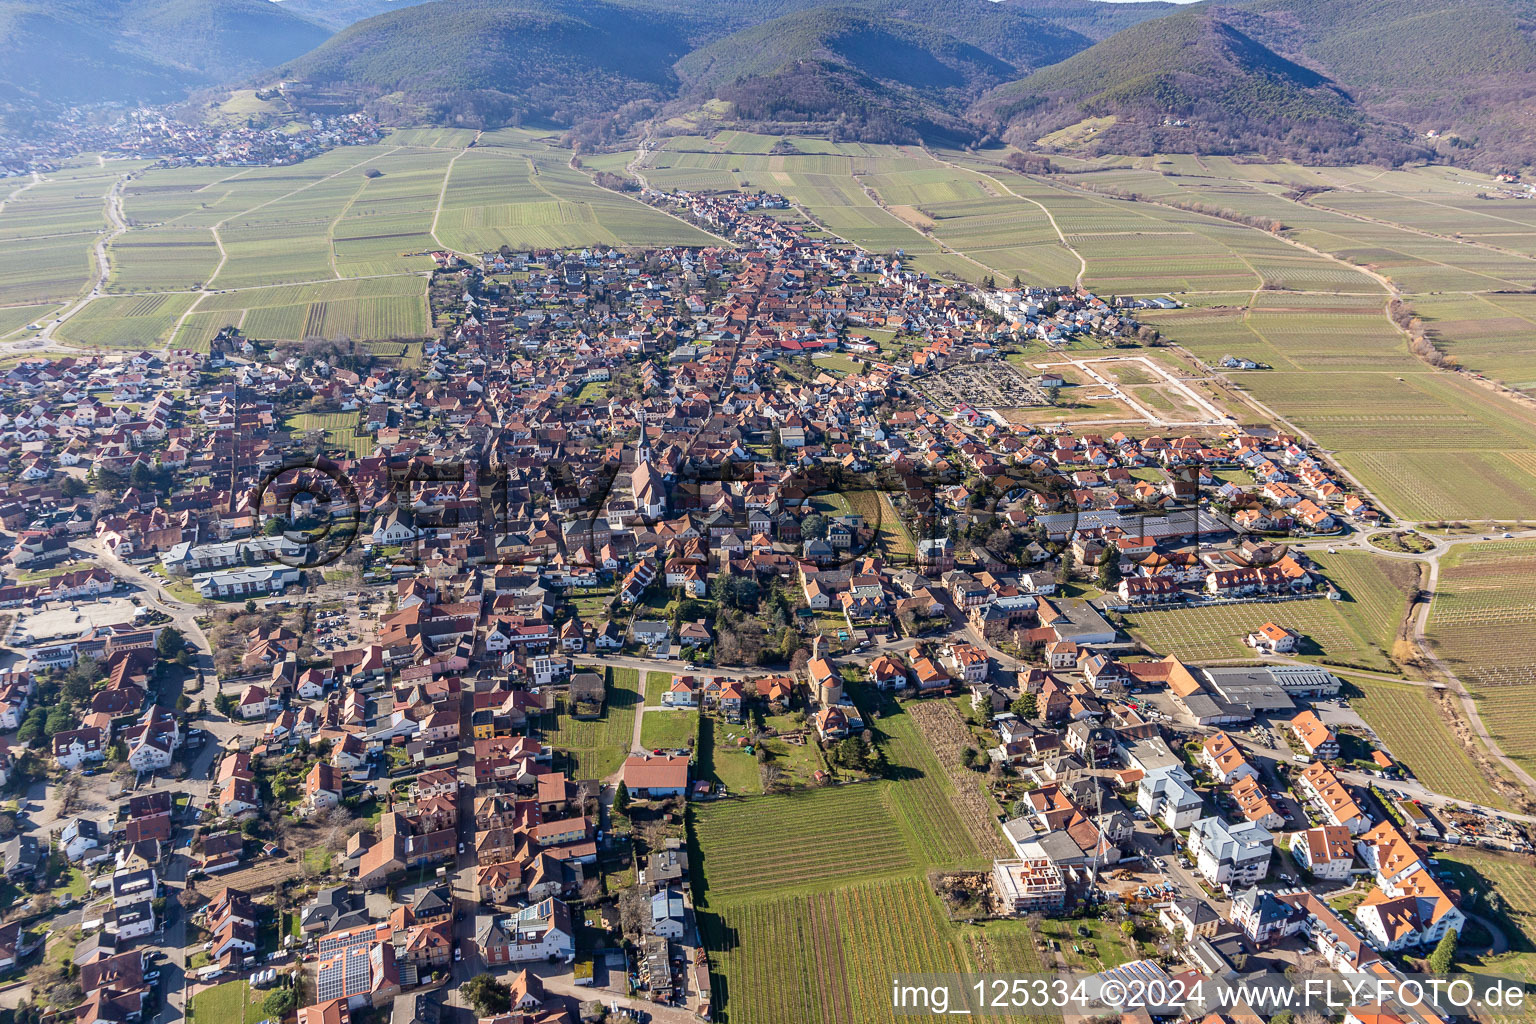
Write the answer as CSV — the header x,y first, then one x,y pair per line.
x,y
332,1011
24,857
78,838
1169,794
1332,798
655,777
1190,918
682,693
1255,803
1264,917
1327,851
650,632
1273,639
668,913
1231,855
539,932
1226,763
888,674
362,973
76,747
1316,738
322,788
1408,907
255,702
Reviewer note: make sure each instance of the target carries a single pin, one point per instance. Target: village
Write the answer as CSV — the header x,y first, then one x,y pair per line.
x,y
331,675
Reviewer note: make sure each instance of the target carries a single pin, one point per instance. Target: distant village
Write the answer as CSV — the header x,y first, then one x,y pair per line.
x,y
153,133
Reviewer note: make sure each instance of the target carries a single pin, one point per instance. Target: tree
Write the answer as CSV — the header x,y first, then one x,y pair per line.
x,y
279,1002
621,797
1109,568
1128,928
1444,956
488,996
60,719
170,643
73,487
969,756
1026,706
33,731
813,526
225,705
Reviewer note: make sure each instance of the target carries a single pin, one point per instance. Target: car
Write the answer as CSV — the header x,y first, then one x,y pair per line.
x,y
461,846
458,954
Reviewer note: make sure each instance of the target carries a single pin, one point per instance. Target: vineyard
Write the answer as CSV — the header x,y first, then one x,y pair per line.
x,y
837,834
1508,883
829,957
947,736
1408,723
1483,624
810,901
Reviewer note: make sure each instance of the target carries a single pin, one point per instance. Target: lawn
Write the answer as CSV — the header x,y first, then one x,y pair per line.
x,y
233,1002
720,760
597,747
656,686
72,883
669,728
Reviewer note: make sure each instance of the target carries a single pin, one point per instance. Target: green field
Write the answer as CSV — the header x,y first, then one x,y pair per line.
x,y
669,729
233,1002
598,747
339,427
329,248
1482,623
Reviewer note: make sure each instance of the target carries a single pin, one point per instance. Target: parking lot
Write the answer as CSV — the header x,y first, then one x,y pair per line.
x,y
67,618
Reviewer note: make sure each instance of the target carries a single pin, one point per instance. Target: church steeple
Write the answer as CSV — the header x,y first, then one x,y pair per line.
x,y
643,450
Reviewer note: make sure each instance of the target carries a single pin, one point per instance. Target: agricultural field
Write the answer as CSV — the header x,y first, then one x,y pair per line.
x,y
826,957
1482,623
333,247
1357,630
1502,888
859,850
598,747
134,321
1408,724
49,228
385,308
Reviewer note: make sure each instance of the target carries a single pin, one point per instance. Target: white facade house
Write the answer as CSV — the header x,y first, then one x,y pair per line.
x,y
1169,795
240,582
1231,855
1327,851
